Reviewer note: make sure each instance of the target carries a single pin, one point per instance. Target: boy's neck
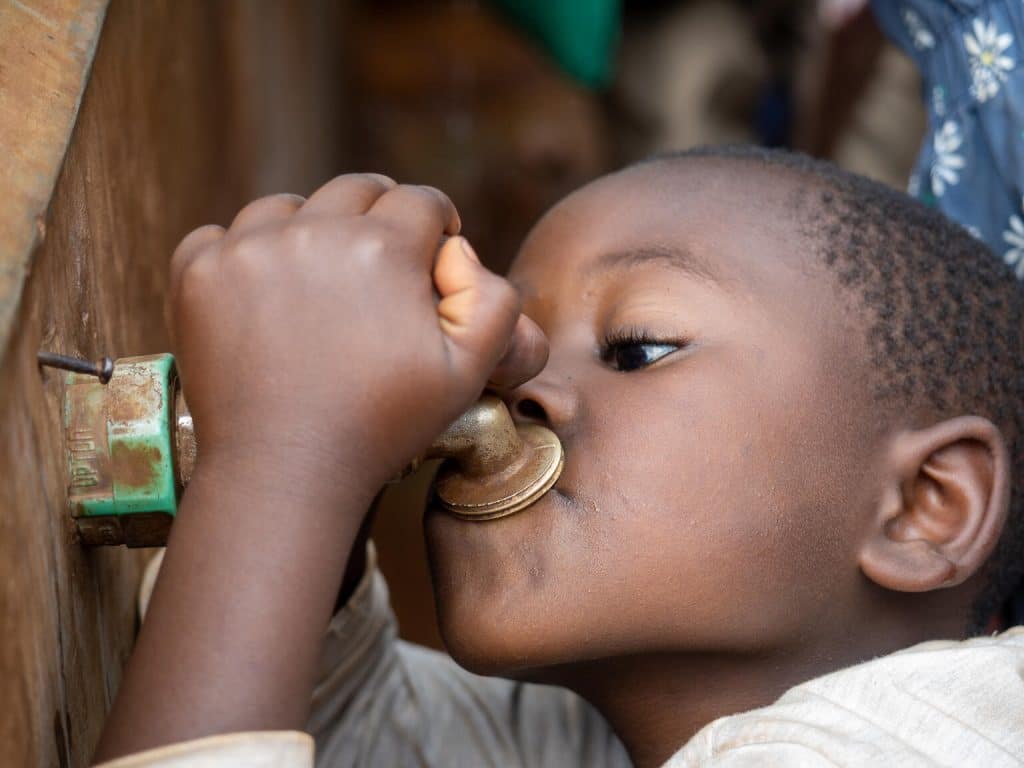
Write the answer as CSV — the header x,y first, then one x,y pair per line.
x,y
656,703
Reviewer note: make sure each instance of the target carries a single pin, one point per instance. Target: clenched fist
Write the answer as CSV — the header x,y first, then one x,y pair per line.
x,y
338,331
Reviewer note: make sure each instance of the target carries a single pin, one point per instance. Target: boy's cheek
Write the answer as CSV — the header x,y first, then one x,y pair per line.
x,y
707,524
524,592
553,586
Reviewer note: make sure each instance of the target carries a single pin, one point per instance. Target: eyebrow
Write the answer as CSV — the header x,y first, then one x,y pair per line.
x,y
672,256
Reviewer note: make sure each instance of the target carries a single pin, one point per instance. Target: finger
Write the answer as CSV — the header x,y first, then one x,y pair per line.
x,y
478,310
429,211
526,356
194,243
265,210
350,194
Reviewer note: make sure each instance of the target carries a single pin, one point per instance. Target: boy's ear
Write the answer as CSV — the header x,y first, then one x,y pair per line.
x,y
944,501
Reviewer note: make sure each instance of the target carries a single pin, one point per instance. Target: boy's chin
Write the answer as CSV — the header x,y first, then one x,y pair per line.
x,y
487,643
493,615
482,652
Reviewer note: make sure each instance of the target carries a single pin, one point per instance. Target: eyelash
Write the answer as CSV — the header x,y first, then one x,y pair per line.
x,y
635,336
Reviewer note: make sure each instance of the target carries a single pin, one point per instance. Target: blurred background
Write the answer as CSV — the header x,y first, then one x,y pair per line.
x,y
509,104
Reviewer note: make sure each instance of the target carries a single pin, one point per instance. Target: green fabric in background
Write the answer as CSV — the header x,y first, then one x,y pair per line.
x,y
582,35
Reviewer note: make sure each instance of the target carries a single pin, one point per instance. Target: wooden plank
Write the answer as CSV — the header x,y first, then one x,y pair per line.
x,y
46,49
153,154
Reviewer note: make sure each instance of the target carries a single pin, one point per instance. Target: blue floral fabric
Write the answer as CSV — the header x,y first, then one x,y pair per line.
x,y
971,165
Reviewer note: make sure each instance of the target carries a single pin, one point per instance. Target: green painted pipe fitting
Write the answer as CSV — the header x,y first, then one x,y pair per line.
x,y
120,445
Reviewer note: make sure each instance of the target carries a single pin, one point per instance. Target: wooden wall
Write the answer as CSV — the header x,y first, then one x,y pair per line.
x,y
176,129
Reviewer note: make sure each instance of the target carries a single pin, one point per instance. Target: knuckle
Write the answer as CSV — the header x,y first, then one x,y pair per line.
x,y
195,281
289,198
360,180
192,241
428,191
179,260
243,254
250,209
298,235
370,247
433,197
379,178
262,207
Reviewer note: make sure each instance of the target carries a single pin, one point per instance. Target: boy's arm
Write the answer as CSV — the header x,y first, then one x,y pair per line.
x,y
309,336
237,619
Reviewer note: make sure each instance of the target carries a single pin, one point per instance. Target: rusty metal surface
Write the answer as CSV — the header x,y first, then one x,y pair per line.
x,y
147,529
46,50
102,369
90,475
119,443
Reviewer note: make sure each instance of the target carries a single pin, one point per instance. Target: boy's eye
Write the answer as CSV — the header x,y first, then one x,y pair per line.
x,y
629,357
633,351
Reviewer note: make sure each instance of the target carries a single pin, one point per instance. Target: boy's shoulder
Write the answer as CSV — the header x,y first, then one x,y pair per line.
x,y
937,703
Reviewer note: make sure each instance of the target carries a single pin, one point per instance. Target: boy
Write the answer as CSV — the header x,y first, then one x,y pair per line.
x,y
790,402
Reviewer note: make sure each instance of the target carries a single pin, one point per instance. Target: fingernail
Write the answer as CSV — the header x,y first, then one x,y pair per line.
x,y
468,250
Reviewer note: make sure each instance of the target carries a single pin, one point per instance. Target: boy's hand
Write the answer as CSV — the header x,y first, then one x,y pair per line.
x,y
333,334
322,343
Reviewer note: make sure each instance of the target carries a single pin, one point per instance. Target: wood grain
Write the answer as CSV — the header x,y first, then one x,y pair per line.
x,y
46,49
153,154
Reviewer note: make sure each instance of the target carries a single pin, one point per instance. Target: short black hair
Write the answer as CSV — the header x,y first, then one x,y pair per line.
x,y
945,315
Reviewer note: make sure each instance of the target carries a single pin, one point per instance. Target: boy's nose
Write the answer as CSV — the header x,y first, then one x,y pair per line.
x,y
547,400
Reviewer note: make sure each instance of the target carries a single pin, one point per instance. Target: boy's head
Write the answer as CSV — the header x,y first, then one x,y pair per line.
x,y
790,400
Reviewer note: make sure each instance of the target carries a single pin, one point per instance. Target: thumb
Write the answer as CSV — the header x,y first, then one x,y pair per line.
x,y
477,311
525,357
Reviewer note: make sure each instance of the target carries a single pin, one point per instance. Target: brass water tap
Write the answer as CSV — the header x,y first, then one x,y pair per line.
x,y
493,467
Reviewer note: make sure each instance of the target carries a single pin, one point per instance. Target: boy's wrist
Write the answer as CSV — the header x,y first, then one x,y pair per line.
x,y
299,476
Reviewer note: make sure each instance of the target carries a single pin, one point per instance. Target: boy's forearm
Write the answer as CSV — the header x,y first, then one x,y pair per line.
x,y
248,585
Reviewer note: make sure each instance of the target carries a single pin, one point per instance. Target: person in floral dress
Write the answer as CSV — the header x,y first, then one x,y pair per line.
x,y
971,164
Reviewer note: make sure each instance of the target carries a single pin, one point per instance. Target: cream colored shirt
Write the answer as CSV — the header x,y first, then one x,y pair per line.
x,y
383,702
